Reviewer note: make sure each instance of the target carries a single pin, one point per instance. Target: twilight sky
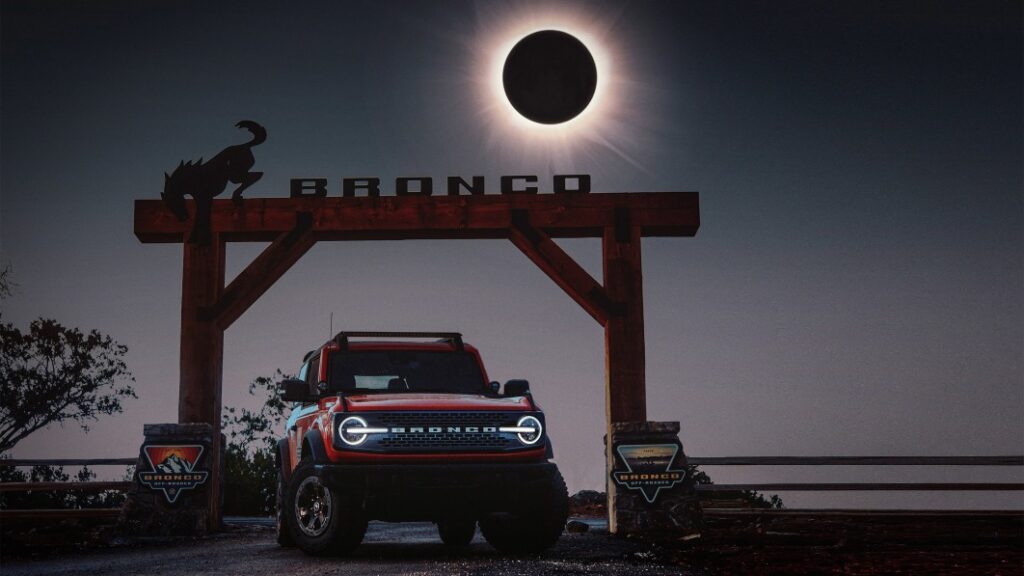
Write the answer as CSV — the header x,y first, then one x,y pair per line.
x,y
856,286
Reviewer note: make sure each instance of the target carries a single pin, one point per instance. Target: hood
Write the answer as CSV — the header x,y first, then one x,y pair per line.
x,y
427,402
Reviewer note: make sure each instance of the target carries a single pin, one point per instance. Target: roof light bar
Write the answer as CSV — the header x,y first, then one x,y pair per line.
x,y
454,338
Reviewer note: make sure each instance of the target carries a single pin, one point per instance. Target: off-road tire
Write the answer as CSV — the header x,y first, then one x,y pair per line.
x,y
456,532
535,529
284,536
345,524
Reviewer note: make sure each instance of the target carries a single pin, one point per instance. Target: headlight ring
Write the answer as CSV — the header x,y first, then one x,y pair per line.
x,y
354,431
530,430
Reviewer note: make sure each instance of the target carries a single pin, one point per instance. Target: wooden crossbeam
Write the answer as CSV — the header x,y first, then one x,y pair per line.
x,y
429,217
560,267
262,272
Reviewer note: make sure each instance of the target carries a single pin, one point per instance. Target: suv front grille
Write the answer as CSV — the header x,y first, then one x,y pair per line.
x,y
478,441
439,432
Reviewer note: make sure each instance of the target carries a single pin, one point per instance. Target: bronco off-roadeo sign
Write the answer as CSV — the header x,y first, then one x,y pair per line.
x,y
455,185
173,469
650,468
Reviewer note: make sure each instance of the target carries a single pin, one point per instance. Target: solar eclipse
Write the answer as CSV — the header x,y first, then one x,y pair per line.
x,y
575,54
549,77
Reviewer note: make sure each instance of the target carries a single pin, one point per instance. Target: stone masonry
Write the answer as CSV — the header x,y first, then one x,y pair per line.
x,y
147,511
675,512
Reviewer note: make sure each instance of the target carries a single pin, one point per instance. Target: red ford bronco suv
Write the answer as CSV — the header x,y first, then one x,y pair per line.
x,y
413,431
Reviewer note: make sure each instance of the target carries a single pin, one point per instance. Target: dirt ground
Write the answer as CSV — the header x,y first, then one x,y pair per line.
x,y
389,549
868,545
783,546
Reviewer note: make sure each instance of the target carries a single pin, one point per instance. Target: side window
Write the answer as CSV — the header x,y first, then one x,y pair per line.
x,y
312,373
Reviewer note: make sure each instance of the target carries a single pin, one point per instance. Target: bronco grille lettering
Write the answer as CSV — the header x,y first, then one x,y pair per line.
x,y
447,430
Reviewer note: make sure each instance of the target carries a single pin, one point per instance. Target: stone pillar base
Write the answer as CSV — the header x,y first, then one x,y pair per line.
x,y
650,491
171,489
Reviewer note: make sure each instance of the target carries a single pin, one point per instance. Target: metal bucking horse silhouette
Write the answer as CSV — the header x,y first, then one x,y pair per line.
x,y
205,180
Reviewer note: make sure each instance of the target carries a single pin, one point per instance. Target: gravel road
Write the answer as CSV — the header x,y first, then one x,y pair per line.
x,y
388,549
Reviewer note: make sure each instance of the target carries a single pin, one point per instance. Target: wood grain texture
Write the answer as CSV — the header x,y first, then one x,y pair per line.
x,y
201,358
260,275
563,270
63,486
67,461
57,514
429,217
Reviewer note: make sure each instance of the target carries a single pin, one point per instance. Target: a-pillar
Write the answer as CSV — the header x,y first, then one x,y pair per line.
x,y
202,354
625,397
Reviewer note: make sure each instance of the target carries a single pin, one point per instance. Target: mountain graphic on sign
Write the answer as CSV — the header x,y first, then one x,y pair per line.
x,y
173,469
174,464
178,459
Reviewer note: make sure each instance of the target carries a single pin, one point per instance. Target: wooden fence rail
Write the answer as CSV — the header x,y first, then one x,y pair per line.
x,y
63,486
63,513
67,461
860,486
60,514
697,460
856,460
729,508
857,512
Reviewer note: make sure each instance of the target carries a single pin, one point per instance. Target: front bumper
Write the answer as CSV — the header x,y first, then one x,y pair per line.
x,y
407,492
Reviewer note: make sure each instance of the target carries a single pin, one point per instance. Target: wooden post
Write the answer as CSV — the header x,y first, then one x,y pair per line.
x,y
202,353
625,396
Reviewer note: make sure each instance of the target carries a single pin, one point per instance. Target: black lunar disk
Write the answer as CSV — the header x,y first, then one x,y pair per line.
x,y
549,77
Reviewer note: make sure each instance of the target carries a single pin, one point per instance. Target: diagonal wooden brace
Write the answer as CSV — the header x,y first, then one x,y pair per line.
x,y
262,272
560,267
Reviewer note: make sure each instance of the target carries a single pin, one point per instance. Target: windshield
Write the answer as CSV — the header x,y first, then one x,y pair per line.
x,y
405,371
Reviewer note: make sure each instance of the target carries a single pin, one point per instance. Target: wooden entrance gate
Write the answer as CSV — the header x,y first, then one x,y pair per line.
x,y
530,221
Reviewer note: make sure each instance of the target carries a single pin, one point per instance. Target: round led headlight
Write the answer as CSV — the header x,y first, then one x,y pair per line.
x,y
530,430
352,430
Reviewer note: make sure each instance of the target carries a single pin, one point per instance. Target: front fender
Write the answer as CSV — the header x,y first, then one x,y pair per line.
x,y
313,446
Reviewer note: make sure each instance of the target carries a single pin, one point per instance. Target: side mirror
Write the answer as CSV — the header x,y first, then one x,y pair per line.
x,y
493,387
293,390
517,388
